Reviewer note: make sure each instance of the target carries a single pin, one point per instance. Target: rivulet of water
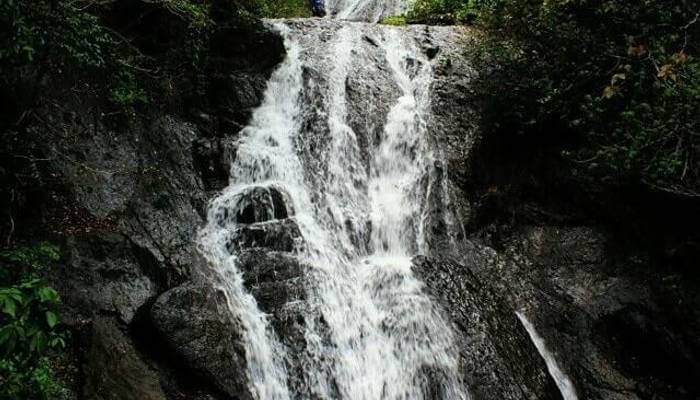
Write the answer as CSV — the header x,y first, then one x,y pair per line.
x,y
563,382
359,204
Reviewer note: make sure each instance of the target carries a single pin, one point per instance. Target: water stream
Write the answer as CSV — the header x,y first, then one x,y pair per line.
x,y
563,382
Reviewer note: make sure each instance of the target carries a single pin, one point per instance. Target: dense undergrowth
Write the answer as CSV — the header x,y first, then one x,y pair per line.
x,y
620,82
615,84
30,334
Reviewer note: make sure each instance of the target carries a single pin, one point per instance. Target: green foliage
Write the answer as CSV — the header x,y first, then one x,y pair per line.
x,y
30,314
396,20
281,8
28,259
55,31
458,10
29,323
125,91
196,13
619,81
19,36
19,382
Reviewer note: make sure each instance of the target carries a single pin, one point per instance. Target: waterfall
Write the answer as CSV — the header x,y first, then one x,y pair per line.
x,y
344,173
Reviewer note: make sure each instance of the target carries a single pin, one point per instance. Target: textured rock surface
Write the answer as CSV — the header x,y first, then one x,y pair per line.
x,y
113,368
195,322
603,323
143,193
498,360
106,273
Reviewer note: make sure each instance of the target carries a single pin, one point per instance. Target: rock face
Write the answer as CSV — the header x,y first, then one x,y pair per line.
x,y
133,196
194,321
604,324
108,273
195,318
490,336
113,368
141,195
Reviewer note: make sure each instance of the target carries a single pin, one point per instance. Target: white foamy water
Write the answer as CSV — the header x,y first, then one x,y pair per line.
x,y
266,155
563,382
370,331
365,10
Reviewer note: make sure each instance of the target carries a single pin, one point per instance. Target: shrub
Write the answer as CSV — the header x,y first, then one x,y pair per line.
x,y
29,324
54,31
617,82
125,91
282,8
458,10
396,20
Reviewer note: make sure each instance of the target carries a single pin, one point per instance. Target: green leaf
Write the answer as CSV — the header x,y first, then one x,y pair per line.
x,y
10,308
51,319
6,333
47,294
38,343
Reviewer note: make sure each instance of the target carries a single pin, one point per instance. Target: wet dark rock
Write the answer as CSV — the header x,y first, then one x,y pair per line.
x,y
370,92
142,182
113,368
604,324
454,126
490,337
195,322
274,278
370,40
280,204
278,281
210,159
431,52
257,204
277,235
234,96
244,49
641,341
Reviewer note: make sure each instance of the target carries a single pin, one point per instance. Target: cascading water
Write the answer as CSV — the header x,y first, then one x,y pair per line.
x,y
366,10
354,201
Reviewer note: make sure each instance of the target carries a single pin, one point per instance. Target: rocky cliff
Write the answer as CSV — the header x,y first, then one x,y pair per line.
x,y
129,197
128,192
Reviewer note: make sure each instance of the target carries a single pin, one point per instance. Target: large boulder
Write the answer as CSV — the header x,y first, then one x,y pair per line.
x,y
274,278
106,273
114,370
278,235
254,204
195,322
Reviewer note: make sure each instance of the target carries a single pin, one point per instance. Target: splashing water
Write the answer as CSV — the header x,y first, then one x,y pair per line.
x,y
369,330
366,10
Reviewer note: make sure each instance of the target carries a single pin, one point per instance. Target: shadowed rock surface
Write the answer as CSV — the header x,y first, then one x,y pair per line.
x,y
196,324
113,368
490,336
